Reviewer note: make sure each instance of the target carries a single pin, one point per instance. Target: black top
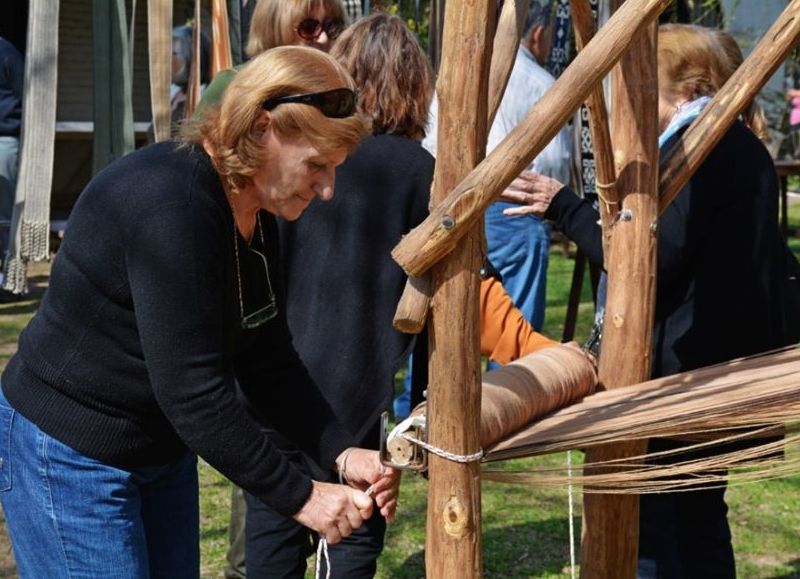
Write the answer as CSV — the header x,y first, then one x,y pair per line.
x,y
11,81
133,354
720,258
343,286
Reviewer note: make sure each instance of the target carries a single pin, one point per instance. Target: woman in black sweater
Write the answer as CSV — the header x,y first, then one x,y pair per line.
x,y
165,294
721,282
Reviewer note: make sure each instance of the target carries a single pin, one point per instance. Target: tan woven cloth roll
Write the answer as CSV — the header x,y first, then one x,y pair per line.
x,y
531,387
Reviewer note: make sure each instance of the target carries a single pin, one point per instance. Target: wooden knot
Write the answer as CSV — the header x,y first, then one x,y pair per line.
x,y
455,518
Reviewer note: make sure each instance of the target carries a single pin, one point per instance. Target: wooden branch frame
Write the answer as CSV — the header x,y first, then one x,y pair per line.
x,y
412,309
609,545
453,537
463,207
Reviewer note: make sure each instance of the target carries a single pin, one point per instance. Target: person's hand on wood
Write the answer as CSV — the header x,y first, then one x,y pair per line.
x,y
334,511
362,469
534,193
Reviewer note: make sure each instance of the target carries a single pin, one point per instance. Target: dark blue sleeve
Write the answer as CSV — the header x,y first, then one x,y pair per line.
x,y
13,72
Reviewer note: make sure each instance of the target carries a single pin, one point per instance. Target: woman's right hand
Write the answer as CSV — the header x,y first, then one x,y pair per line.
x,y
533,192
334,511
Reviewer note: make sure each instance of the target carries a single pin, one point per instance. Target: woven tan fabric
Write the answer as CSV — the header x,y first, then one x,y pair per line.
x,y
159,39
30,221
531,387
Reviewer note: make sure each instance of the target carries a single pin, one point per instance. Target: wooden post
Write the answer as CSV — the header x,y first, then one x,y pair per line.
x,y
412,309
159,41
611,522
464,206
414,305
504,51
220,38
605,183
689,152
453,542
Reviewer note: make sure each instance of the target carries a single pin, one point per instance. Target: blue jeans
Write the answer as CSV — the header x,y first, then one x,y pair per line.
x,y
518,248
71,516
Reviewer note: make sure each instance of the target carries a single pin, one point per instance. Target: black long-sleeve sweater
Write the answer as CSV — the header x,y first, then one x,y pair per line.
x,y
135,350
343,286
719,292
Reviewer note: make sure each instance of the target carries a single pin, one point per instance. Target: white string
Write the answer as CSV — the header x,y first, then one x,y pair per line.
x,y
322,546
464,458
322,553
571,516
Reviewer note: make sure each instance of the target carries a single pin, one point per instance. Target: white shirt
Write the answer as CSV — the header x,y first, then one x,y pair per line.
x,y
526,85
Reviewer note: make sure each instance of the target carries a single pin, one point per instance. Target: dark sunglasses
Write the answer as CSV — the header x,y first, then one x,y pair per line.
x,y
311,28
338,103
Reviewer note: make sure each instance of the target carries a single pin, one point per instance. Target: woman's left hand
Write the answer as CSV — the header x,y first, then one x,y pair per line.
x,y
534,193
362,469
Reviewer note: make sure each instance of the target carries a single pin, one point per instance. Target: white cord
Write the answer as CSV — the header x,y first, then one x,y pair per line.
x,y
322,546
322,553
462,458
571,517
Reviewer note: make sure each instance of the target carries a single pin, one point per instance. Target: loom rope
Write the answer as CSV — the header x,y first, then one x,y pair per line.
x,y
446,454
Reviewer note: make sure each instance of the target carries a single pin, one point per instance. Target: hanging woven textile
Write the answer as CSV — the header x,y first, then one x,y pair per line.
x,y
113,108
30,221
159,40
193,88
559,51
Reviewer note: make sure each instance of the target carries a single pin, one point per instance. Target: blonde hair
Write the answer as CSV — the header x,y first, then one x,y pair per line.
x,y
690,62
232,131
695,61
393,74
273,23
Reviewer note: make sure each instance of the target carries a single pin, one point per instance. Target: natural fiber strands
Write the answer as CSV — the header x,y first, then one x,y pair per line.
x,y
770,460
531,387
747,392
511,397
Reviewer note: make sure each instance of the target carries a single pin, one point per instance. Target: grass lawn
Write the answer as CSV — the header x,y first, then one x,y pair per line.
x,y
525,529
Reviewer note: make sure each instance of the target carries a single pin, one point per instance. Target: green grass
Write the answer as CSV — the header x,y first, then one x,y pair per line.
x,y
525,529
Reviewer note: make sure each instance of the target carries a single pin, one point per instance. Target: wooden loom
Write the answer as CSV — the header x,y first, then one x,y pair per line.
x,y
463,191
447,243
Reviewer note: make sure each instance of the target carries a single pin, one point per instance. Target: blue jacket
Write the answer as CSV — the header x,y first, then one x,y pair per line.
x,y
11,81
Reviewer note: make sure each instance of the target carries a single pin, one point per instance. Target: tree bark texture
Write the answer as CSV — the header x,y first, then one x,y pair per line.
x,y
464,206
453,542
611,522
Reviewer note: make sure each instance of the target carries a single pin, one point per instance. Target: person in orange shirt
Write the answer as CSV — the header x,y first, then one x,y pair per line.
x,y
505,333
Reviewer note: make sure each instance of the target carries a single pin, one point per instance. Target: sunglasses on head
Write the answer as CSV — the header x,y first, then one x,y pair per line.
x,y
311,28
336,104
